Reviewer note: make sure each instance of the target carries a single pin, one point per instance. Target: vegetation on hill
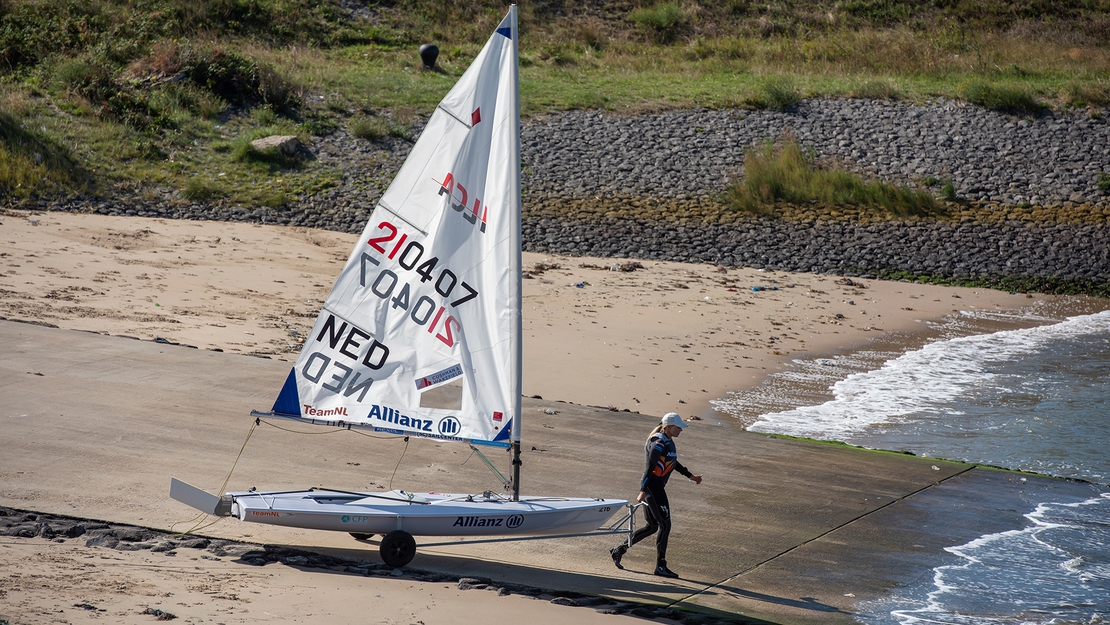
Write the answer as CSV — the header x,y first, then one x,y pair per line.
x,y
97,95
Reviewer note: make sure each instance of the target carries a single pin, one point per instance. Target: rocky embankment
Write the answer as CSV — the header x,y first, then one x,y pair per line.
x,y
1033,193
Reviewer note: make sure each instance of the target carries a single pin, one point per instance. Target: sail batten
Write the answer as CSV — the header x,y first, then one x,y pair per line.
x,y
421,333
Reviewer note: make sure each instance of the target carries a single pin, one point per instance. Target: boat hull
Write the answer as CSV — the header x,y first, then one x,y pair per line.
x,y
425,514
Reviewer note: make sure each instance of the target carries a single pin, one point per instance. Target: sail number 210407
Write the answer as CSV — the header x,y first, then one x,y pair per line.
x,y
389,286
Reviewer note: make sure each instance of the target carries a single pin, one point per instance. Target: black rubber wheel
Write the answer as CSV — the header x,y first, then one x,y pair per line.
x,y
361,536
398,548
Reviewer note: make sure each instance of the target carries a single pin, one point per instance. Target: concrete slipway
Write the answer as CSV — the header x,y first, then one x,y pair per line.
x,y
781,530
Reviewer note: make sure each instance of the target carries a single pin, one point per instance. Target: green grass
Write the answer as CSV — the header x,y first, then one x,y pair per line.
x,y
143,90
1104,181
786,173
376,128
664,20
778,94
200,189
1009,98
33,163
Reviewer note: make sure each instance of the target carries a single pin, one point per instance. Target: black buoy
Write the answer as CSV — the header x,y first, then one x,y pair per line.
x,y
428,53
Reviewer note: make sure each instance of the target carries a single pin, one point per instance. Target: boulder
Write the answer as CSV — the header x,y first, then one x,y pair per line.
x,y
286,144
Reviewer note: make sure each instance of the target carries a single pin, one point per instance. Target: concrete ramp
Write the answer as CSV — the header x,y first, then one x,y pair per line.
x,y
781,530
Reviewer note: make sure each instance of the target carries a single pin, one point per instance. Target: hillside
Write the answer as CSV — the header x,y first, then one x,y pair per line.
x,y
160,98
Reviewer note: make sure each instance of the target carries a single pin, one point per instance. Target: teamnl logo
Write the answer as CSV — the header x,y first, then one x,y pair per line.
x,y
460,201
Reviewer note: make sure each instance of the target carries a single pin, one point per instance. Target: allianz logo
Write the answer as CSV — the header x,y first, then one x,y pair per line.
x,y
447,426
512,521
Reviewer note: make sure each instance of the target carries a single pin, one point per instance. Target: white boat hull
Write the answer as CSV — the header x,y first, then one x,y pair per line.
x,y
425,514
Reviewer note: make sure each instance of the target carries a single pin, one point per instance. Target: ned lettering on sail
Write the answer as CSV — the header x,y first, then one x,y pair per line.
x,y
355,347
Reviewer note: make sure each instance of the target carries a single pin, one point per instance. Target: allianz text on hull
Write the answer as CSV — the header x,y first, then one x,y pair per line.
x,y
425,514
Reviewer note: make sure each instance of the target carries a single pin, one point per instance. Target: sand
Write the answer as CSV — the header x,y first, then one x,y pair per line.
x,y
655,338
667,336
46,582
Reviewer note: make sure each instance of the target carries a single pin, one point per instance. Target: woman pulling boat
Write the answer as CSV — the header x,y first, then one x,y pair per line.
x,y
660,459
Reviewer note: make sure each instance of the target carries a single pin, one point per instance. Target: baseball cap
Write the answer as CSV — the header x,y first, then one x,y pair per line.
x,y
672,418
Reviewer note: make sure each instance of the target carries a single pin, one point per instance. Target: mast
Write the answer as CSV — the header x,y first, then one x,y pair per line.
x,y
518,349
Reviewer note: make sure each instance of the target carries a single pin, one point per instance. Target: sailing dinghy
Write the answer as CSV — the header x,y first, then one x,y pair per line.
x,y
421,334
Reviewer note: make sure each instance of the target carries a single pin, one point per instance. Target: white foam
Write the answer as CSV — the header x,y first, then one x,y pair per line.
x,y
1053,571
921,381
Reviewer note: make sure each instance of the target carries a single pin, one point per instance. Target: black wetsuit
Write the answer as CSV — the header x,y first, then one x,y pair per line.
x,y
660,458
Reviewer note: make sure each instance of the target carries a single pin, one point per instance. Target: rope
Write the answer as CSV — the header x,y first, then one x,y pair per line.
x,y
223,488
383,438
820,536
198,519
403,452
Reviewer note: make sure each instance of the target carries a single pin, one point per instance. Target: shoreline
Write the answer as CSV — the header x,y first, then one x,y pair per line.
x,y
179,420
793,393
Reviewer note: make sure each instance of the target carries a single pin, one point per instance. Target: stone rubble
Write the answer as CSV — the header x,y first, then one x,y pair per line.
x,y
1034,191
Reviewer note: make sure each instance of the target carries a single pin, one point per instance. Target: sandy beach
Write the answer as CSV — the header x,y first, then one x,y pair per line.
x,y
650,338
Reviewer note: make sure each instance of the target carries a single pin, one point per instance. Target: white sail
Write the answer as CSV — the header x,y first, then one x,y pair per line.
x,y
421,333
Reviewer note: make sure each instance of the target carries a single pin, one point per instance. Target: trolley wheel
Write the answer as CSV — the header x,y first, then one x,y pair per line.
x,y
398,548
361,536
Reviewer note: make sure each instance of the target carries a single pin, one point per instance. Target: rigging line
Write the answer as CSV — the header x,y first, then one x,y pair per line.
x,y
819,536
223,487
399,463
300,432
382,438
192,520
368,495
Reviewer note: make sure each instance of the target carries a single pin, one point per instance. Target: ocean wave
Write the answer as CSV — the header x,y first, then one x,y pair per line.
x,y
928,380
1054,571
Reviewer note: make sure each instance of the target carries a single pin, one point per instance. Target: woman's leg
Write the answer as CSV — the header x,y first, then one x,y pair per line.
x,y
662,511
651,516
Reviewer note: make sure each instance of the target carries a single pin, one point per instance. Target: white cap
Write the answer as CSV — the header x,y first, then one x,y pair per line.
x,y
672,418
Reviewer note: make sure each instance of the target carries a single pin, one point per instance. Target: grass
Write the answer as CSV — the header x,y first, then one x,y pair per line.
x,y
1008,98
32,163
778,94
376,128
786,173
156,91
664,20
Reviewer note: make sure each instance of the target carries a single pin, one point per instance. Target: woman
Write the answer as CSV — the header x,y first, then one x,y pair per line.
x,y
661,458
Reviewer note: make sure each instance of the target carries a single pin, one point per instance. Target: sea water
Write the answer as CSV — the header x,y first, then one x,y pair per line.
x,y
1028,398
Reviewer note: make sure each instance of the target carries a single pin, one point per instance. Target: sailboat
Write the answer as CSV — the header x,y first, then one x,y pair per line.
x,y
421,334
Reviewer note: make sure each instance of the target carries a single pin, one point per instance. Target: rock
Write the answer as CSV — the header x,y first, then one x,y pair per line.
x,y
473,583
288,145
133,534
564,601
102,541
